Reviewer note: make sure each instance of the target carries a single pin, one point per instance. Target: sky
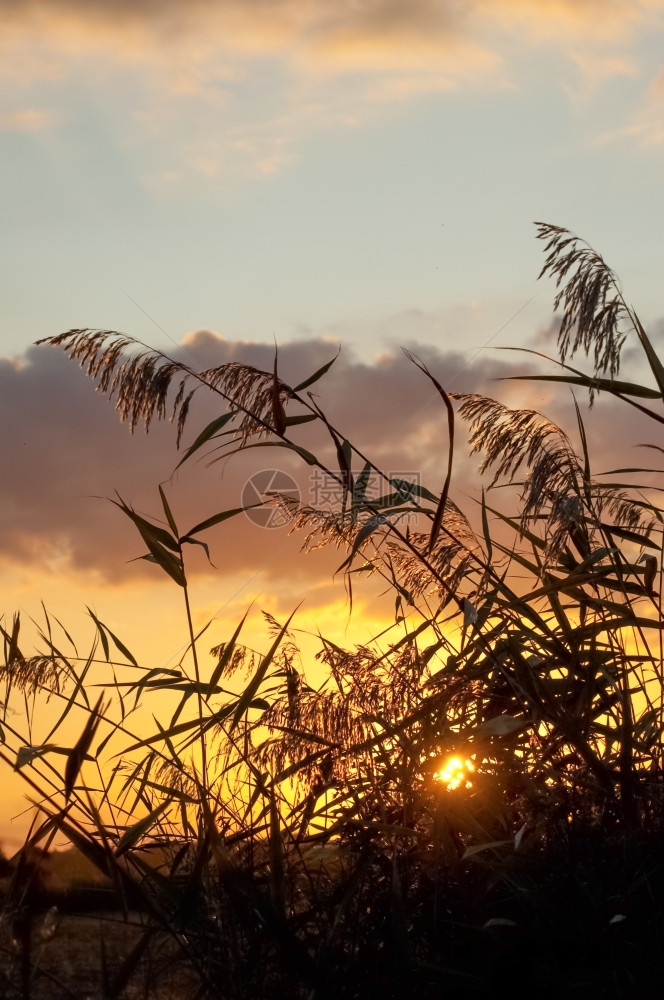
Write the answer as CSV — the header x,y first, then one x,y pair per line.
x,y
214,177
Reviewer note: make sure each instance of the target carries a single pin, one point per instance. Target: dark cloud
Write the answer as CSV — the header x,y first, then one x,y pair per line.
x,y
64,448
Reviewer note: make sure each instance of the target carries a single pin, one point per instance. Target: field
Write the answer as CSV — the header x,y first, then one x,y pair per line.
x,y
587,920
83,956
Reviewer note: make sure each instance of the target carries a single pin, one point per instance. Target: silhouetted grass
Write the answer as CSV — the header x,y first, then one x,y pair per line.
x,y
285,840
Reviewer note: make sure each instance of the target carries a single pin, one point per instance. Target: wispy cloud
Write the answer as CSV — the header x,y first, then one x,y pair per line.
x,y
230,68
26,120
646,126
360,35
366,36
599,21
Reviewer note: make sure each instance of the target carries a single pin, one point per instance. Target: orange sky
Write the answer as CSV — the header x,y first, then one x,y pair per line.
x,y
363,174
64,543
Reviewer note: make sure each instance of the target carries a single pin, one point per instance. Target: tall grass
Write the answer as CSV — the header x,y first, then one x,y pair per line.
x,y
309,842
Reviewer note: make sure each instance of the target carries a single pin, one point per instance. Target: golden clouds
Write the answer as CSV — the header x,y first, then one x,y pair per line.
x,y
316,35
593,20
312,36
242,83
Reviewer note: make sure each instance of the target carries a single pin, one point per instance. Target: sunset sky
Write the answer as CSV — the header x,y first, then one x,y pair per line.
x,y
211,177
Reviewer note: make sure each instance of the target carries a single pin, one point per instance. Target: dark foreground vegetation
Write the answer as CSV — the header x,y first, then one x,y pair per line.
x,y
272,837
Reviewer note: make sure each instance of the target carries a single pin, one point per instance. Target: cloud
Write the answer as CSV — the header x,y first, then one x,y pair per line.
x,y
242,84
656,88
25,120
613,21
649,119
646,126
359,34
316,34
67,451
196,45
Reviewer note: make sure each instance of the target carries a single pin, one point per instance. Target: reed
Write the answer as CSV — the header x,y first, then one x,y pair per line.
x,y
311,840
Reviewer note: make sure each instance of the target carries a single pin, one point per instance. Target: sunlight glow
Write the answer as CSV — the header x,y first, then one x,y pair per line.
x,y
455,773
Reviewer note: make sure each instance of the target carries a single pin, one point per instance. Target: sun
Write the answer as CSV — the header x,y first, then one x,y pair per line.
x,y
455,773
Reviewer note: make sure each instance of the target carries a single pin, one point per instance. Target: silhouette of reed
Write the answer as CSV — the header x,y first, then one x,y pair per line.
x,y
281,839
